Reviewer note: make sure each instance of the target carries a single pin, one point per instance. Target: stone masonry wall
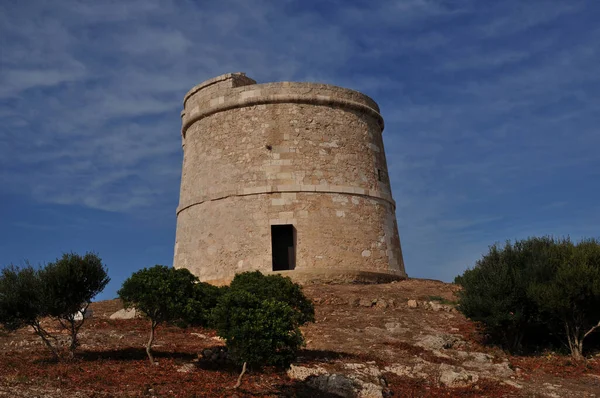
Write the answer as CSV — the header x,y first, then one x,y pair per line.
x,y
306,154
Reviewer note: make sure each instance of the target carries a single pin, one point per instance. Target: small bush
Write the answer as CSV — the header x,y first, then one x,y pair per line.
x,y
494,293
259,317
201,303
259,332
278,288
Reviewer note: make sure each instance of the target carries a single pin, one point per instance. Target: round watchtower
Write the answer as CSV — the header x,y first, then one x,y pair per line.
x,y
284,177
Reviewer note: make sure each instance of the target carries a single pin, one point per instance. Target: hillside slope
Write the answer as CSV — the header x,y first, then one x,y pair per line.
x,y
400,339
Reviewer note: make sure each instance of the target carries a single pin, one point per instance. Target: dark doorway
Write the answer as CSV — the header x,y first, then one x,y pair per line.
x,y
283,246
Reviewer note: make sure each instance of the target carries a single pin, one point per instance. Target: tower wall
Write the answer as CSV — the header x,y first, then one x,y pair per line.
x,y
302,154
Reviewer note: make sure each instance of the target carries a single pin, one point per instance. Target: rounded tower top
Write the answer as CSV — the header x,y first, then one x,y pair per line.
x,y
236,90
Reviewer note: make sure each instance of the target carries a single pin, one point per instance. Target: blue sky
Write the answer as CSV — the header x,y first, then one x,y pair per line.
x,y
492,114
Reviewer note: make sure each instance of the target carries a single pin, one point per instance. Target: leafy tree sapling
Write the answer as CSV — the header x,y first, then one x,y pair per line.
x,y
22,302
69,286
162,293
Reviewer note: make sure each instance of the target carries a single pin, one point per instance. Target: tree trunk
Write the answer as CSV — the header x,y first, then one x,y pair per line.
x,y
74,341
74,329
575,342
239,380
150,341
44,335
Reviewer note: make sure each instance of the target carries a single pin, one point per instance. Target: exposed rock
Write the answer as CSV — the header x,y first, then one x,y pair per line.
x,y
186,368
369,390
484,365
364,369
477,357
339,385
412,304
125,313
512,384
363,302
440,354
495,370
439,342
381,303
356,384
303,372
455,376
396,328
400,370
419,370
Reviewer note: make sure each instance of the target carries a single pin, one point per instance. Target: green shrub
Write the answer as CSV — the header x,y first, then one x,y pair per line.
x,y
494,293
201,303
258,331
527,293
570,297
259,317
69,285
278,288
162,293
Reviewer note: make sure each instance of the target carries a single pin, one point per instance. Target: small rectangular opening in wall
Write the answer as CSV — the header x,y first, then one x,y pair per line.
x,y
379,174
283,247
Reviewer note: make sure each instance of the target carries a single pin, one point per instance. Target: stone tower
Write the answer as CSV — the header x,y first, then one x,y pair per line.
x,y
284,177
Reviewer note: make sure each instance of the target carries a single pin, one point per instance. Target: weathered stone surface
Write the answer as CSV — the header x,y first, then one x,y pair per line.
x,y
455,376
381,303
369,390
355,384
364,302
438,342
125,313
484,364
396,328
412,304
339,385
304,154
303,372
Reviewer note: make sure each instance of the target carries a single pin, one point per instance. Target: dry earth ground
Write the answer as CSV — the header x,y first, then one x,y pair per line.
x,y
365,335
